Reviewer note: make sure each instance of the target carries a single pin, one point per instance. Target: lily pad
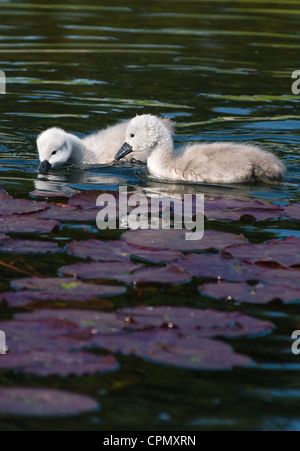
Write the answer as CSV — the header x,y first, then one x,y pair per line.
x,y
101,323
99,271
77,291
17,246
288,277
181,352
119,251
34,299
100,250
155,256
10,206
29,334
68,214
234,209
57,363
171,274
293,211
206,323
88,199
21,224
258,294
285,253
38,402
215,267
176,240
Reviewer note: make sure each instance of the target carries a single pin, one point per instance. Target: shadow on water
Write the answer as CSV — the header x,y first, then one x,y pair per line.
x,y
221,74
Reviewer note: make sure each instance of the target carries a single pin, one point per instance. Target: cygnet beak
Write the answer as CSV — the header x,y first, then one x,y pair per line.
x,y
125,150
44,167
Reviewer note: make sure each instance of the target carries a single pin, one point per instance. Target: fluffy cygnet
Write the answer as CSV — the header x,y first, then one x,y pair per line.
x,y
220,162
57,147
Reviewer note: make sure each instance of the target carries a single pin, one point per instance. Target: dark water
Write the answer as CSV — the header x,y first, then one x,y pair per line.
x,y
221,70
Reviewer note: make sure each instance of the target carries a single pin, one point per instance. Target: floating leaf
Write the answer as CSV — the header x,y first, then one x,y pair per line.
x,y
155,256
69,214
284,253
34,298
17,246
77,291
26,224
293,211
258,294
57,363
171,349
176,240
288,277
207,323
101,322
99,271
169,275
100,250
215,267
10,206
88,199
234,209
38,402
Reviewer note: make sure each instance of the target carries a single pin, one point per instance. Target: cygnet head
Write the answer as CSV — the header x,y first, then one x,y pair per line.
x,y
55,149
143,134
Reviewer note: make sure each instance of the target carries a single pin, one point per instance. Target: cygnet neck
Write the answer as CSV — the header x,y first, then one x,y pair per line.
x,y
162,153
79,151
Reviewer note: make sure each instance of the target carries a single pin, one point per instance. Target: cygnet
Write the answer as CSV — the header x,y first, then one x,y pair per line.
x,y
221,162
57,147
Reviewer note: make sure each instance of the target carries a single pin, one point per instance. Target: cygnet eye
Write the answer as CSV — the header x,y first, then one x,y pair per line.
x,y
132,135
54,152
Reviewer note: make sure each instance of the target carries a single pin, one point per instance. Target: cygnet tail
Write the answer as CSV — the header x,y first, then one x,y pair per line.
x,y
268,168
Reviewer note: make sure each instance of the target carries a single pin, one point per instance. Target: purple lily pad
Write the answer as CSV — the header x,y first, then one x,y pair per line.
x,y
26,224
155,256
288,277
119,251
206,323
259,294
10,206
71,288
88,199
57,363
284,253
38,402
171,274
33,299
293,211
234,209
50,194
68,214
29,334
17,246
100,250
101,323
175,240
171,349
99,271
215,267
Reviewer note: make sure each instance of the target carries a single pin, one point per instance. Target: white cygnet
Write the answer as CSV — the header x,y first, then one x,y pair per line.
x,y
221,162
57,147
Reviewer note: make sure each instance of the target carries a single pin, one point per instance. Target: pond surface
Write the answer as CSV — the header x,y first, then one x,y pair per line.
x,y
222,71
